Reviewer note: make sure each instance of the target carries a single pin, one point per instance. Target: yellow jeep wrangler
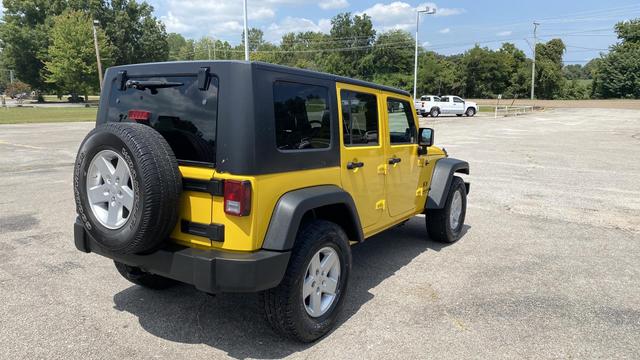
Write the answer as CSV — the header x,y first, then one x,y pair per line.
x,y
249,177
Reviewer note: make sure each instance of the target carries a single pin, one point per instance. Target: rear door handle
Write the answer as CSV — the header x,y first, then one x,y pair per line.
x,y
394,161
354,165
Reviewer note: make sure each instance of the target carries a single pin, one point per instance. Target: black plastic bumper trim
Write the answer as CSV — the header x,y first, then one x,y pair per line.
x,y
213,232
211,271
213,187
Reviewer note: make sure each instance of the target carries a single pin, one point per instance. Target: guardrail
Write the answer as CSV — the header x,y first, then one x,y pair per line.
x,y
510,110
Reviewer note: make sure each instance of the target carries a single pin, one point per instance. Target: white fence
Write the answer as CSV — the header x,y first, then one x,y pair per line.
x,y
510,110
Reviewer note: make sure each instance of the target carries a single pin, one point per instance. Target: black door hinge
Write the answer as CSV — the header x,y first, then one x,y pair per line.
x,y
214,187
214,232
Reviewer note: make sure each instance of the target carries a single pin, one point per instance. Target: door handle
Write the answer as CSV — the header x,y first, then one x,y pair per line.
x,y
354,165
394,161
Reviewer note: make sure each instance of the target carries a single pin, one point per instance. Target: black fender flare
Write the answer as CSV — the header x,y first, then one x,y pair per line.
x,y
292,206
441,180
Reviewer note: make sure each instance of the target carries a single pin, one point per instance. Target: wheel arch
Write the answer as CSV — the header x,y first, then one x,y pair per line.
x,y
441,181
327,202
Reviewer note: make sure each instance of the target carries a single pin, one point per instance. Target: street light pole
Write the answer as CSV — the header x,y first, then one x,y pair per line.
x,y
246,34
95,42
427,10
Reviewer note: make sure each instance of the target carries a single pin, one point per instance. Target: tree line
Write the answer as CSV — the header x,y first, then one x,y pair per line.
x,y
50,46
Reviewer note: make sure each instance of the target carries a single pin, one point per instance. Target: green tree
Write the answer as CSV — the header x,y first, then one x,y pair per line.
x,y
175,42
25,39
354,35
439,75
629,31
590,68
187,51
549,77
486,73
574,72
256,39
303,50
392,53
27,24
140,36
72,61
617,74
573,90
518,71
204,49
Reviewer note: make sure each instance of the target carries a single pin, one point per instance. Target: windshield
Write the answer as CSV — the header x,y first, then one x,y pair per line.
x,y
182,113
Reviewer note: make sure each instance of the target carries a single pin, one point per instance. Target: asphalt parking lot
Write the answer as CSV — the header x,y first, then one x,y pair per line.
x,y
549,266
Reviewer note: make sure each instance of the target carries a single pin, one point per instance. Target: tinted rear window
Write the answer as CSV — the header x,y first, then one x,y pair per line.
x,y
185,115
302,116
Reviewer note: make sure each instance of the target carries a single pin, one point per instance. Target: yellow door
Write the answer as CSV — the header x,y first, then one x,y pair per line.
x,y
361,153
402,157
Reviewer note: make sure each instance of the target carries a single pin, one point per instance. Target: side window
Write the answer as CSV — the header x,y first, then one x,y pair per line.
x,y
402,129
435,98
359,118
444,99
458,100
302,116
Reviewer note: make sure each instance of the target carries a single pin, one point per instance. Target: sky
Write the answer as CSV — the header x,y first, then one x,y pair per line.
x,y
586,26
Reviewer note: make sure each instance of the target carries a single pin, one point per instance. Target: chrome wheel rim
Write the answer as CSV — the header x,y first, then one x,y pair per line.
x,y
110,189
456,210
320,285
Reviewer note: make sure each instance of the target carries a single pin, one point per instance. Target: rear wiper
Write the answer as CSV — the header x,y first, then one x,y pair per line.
x,y
151,85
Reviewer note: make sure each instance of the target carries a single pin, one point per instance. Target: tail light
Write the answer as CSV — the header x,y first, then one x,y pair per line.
x,y
139,115
423,103
237,197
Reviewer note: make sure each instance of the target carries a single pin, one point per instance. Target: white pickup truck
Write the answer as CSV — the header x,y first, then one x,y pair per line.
x,y
449,104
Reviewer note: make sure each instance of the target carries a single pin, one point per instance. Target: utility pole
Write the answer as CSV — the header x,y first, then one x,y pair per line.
x,y
246,34
427,10
11,76
533,65
95,42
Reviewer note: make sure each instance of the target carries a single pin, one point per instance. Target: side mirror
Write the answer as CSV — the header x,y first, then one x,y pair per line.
x,y
425,137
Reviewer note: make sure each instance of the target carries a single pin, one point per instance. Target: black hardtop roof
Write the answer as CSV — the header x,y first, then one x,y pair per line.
x,y
273,67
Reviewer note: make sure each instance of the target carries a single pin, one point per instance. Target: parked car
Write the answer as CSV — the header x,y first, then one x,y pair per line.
x,y
425,104
250,177
430,105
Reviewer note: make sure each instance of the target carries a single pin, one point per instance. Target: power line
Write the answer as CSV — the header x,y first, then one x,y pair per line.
x,y
627,9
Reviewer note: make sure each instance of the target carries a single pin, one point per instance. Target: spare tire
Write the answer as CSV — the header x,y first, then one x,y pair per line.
x,y
127,187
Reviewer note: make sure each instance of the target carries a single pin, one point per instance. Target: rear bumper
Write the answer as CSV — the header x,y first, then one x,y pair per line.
x,y
211,271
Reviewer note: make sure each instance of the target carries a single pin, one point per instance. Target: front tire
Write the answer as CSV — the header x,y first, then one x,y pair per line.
x,y
140,277
470,112
445,225
306,304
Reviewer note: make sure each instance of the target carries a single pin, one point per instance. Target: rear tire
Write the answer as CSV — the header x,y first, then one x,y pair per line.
x,y
442,225
289,307
143,278
434,112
